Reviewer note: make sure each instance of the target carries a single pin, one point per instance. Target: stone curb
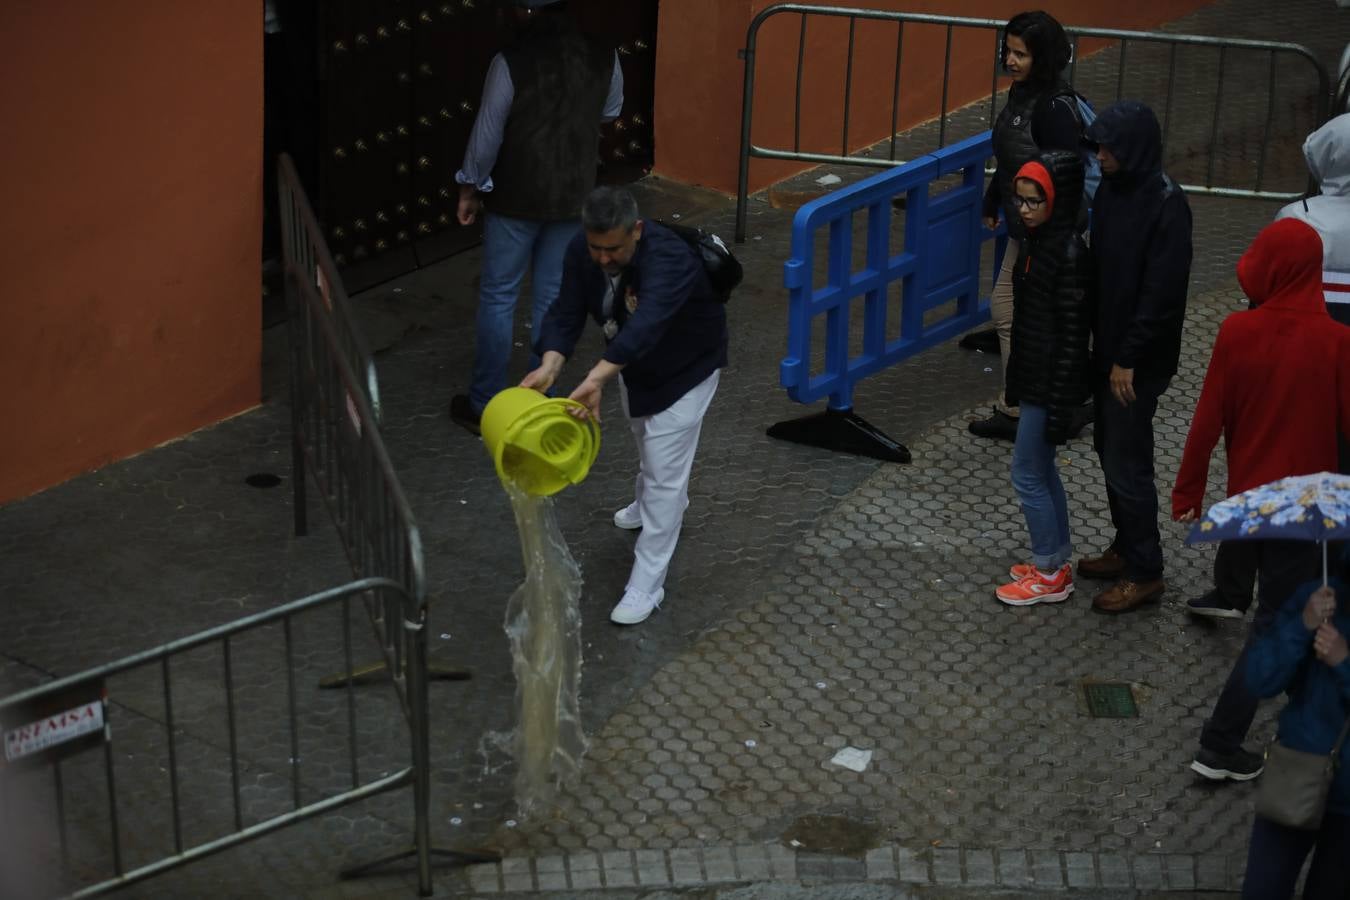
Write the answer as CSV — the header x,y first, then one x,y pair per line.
x,y
1050,870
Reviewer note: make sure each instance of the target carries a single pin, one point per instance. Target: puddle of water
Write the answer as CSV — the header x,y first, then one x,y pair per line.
x,y
543,622
832,834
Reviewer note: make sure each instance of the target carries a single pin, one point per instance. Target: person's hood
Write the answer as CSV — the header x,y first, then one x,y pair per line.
x,y
1060,175
1130,131
1283,268
1327,151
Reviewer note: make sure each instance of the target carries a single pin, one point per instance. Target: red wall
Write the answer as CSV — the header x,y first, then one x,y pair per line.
x,y
129,237
699,79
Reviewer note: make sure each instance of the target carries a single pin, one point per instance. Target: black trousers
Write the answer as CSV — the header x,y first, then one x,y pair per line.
x,y
1281,567
1235,573
1276,854
1123,437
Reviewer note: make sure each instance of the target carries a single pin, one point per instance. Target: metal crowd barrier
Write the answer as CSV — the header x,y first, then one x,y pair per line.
x,y
304,248
349,462
1123,41
338,441
335,437
937,272
47,725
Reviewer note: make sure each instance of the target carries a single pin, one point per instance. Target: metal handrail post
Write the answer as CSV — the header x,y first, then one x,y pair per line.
x,y
748,149
420,726
747,104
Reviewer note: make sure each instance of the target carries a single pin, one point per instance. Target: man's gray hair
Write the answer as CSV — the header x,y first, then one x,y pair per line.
x,y
607,208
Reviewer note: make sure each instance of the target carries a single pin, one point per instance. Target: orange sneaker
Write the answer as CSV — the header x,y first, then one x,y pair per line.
x,y
1035,588
1020,571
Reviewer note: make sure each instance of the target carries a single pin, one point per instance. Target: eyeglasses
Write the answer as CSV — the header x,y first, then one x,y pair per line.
x,y
1032,203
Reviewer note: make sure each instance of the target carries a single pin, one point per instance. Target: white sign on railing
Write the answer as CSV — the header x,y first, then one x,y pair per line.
x,y
61,724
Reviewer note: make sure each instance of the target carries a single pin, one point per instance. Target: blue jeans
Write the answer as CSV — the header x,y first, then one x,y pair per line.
x,y
1036,479
509,245
1276,855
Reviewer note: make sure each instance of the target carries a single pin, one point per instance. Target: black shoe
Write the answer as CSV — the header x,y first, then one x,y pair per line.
x,y
999,426
1081,418
1240,765
982,341
1212,605
462,413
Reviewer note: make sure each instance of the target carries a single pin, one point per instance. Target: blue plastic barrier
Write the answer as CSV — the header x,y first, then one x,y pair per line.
x,y
938,263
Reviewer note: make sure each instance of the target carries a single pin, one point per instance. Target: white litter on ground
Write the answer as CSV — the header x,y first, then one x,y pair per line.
x,y
852,758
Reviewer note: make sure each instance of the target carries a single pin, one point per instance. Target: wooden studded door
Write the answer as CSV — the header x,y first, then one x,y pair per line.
x,y
400,82
626,144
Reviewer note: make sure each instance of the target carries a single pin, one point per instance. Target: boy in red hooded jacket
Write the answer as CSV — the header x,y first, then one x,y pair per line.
x,y
1277,389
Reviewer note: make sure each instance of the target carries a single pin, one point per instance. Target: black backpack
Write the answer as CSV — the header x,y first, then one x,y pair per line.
x,y
724,269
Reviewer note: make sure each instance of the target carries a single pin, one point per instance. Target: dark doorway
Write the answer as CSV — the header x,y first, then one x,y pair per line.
x,y
375,100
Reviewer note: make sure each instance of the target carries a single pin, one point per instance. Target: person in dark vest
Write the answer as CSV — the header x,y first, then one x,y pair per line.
x,y
1041,114
531,160
665,341
1048,372
1141,241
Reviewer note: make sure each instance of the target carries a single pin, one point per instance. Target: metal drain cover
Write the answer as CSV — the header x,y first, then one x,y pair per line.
x,y
1110,700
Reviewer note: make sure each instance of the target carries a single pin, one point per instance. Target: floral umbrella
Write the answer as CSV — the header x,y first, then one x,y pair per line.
x,y
1301,508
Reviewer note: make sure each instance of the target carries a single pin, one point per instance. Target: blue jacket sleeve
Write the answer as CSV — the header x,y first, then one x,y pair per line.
x,y
1275,656
566,318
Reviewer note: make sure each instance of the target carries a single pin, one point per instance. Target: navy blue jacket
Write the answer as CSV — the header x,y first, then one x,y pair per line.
x,y
673,339
1319,696
1141,238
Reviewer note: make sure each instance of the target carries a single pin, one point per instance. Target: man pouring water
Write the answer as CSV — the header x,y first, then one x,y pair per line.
x,y
665,341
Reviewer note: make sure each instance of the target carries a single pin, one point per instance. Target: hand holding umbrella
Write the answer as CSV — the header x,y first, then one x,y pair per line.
x,y
1319,608
1329,645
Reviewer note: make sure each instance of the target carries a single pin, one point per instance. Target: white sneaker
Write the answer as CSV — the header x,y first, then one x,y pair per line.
x,y
629,517
636,606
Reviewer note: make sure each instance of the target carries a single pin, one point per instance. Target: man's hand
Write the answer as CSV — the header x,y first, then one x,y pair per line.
x,y
1319,608
542,378
469,204
1122,385
1329,644
588,393
1188,515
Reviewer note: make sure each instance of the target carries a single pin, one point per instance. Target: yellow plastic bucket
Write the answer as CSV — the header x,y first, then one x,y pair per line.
x,y
535,443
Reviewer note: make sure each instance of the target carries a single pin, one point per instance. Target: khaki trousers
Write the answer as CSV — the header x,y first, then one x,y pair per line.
x,y
1001,311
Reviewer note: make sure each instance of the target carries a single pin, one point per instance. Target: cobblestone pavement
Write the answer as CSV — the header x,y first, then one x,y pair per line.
x,y
817,601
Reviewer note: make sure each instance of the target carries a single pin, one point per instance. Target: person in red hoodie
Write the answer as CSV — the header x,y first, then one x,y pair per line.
x,y
1277,389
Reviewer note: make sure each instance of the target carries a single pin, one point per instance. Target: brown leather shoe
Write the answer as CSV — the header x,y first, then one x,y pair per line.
x,y
1105,567
1124,596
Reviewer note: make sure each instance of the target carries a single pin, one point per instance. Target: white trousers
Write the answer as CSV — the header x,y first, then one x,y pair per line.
x,y
666,443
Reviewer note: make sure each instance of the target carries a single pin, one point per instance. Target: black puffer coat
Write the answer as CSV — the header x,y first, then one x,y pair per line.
x,y
1054,293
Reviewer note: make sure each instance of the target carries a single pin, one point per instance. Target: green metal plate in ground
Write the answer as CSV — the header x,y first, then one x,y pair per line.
x,y
1110,701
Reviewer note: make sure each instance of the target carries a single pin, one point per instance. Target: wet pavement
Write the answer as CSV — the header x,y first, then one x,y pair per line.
x,y
817,602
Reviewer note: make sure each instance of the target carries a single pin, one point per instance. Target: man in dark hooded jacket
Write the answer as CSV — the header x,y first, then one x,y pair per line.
x,y
1141,239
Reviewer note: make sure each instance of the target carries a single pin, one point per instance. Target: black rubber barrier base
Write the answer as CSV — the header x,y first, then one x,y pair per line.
x,y
845,432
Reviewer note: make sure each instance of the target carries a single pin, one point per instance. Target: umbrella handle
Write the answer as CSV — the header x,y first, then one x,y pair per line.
x,y
1324,564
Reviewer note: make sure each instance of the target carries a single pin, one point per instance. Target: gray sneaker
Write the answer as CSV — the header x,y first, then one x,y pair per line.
x,y
628,518
636,606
